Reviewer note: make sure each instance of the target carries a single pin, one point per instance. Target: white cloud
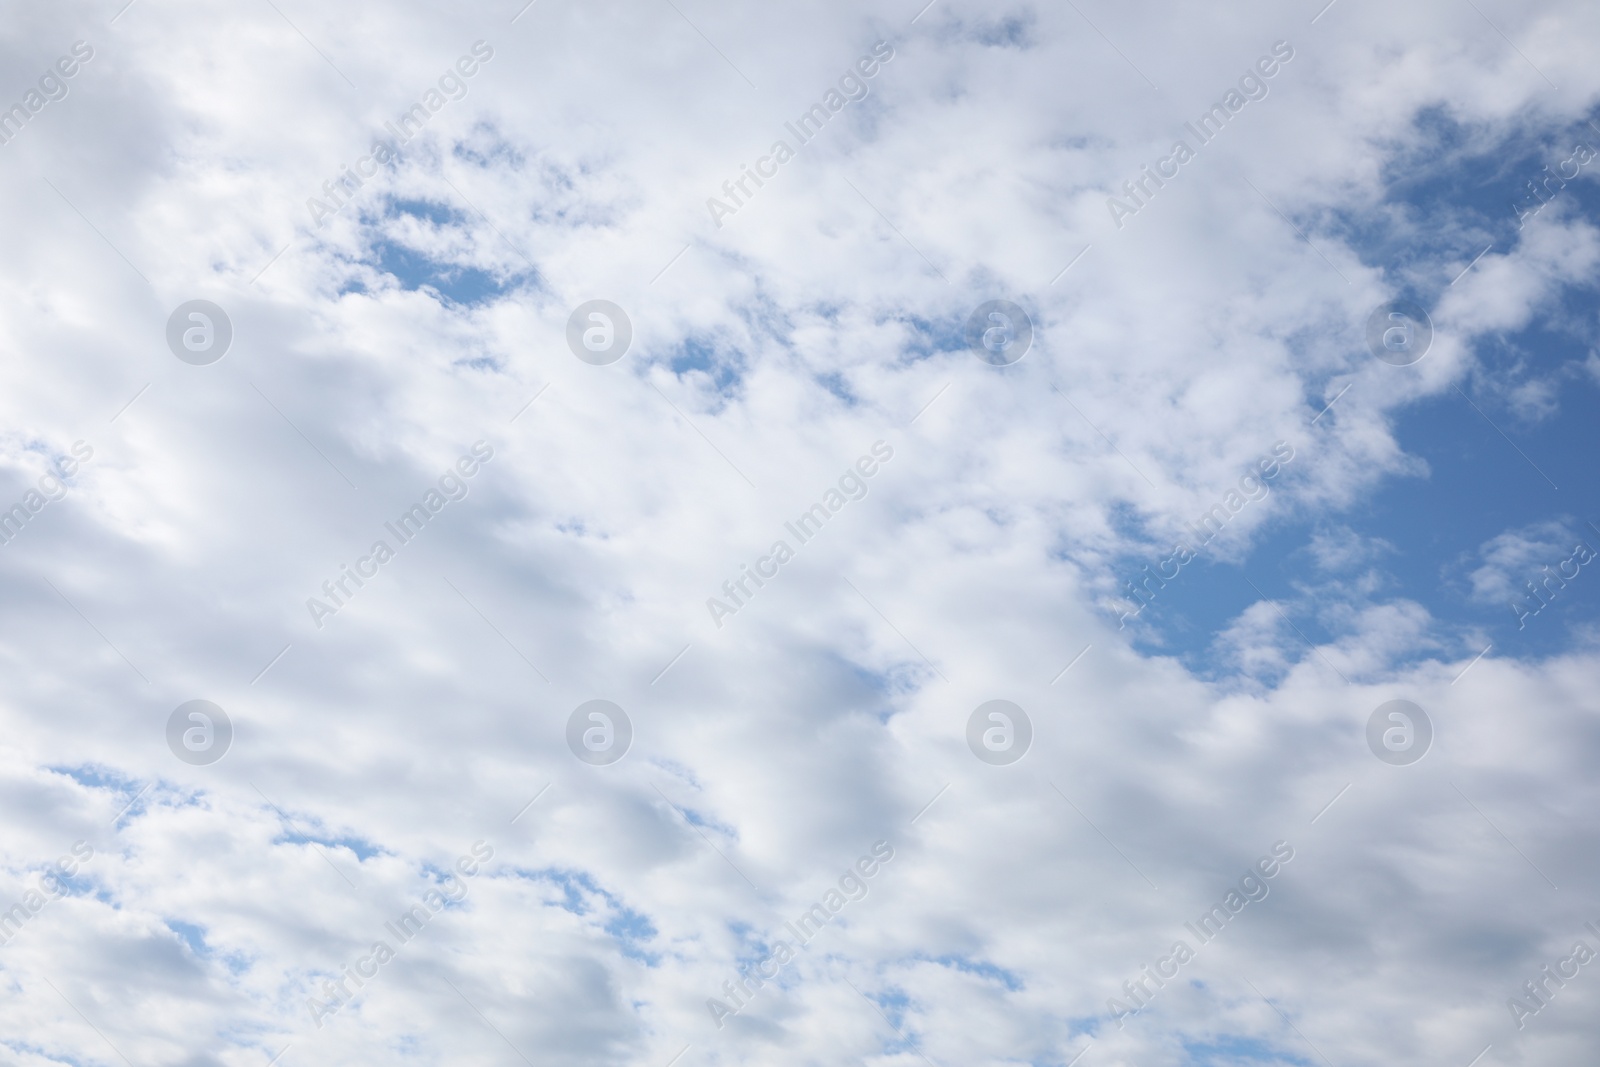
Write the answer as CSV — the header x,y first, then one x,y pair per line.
x,y
1512,559
768,754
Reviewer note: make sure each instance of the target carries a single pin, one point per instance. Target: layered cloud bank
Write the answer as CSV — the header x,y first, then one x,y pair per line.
x,y
1203,539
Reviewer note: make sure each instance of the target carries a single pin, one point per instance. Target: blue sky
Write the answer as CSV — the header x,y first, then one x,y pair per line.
x,y
1507,448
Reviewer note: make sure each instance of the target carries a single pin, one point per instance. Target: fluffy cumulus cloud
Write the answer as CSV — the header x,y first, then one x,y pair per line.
x,y
410,659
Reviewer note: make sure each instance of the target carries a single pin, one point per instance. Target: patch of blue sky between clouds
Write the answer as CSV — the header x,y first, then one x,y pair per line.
x,y
835,383
79,884
583,896
1226,1051
1416,538
978,968
895,1003
630,930
191,935
694,818
437,213
96,777
928,338
1448,193
1489,473
467,286
699,355
400,248
131,798
363,850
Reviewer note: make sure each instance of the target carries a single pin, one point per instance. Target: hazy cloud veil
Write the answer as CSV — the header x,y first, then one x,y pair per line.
x,y
679,534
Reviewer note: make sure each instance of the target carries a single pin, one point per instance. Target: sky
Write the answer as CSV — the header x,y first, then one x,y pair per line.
x,y
683,535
